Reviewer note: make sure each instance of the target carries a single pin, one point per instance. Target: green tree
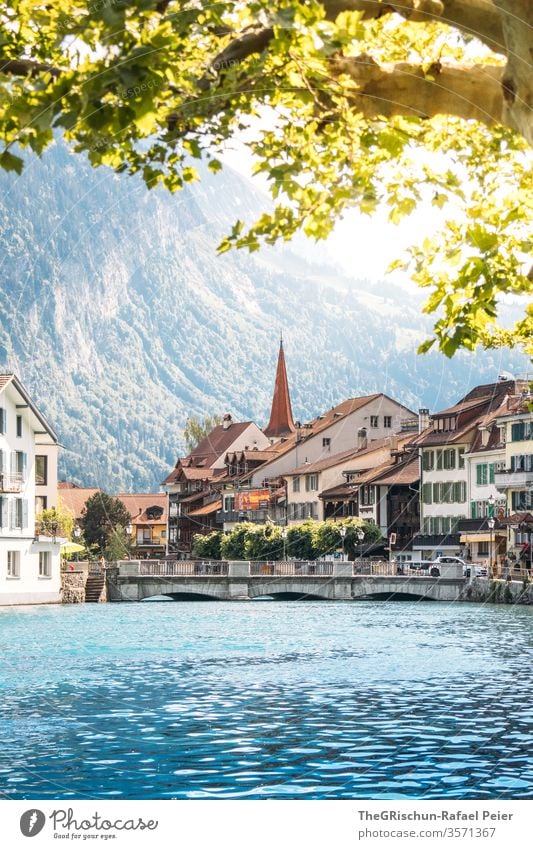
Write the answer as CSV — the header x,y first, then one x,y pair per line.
x,y
207,545
56,521
358,98
195,430
104,521
300,543
233,543
263,542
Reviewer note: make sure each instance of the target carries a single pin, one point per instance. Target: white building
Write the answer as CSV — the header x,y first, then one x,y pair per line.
x,y
29,565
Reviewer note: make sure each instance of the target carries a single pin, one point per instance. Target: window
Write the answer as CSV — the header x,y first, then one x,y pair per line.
x,y
521,430
374,421
448,458
326,442
3,512
483,549
2,420
311,483
40,504
427,493
387,421
13,564
482,474
41,469
18,514
522,463
461,458
367,495
19,425
522,500
428,460
45,564
296,484
229,503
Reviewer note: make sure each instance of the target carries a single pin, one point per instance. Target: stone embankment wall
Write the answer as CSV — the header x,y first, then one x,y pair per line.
x,y
498,592
73,587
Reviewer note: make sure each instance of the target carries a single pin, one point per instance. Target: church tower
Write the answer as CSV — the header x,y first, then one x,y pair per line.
x,y
281,422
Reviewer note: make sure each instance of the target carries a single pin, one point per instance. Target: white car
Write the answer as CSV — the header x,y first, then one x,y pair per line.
x,y
479,571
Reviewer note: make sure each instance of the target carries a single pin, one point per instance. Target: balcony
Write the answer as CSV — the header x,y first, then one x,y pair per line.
x,y
517,480
228,516
434,540
11,482
147,543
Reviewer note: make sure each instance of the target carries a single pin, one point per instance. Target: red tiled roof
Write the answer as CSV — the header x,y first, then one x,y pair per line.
x,y
349,454
74,497
138,503
5,379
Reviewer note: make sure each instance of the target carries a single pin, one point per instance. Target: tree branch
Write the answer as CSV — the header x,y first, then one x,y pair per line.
x,y
25,68
403,89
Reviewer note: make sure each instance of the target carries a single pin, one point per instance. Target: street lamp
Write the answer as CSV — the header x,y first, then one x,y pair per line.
x,y
284,538
491,528
360,534
342,532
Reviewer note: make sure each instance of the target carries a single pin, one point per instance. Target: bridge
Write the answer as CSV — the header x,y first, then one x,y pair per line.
x,y
243,581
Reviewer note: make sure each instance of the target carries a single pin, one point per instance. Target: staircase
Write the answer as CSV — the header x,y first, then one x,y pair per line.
x,y
94,588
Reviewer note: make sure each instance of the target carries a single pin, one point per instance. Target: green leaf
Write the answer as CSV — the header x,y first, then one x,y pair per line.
x,y
9,162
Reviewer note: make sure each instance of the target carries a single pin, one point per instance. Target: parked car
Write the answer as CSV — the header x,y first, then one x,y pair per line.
x,y
479,571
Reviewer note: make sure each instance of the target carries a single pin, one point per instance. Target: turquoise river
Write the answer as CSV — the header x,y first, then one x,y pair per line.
x,y
259,700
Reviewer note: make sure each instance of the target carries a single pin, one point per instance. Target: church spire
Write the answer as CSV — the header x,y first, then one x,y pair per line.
x,y
281,422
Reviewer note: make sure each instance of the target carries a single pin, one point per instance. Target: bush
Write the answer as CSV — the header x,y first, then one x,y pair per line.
x,y
207,545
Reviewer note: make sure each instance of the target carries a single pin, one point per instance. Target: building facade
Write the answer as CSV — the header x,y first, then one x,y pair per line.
x,y
29,562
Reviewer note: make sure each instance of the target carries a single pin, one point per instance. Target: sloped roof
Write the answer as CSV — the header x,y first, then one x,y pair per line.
x,y
138,503
11,378
73,497
281,422
349,454
206,509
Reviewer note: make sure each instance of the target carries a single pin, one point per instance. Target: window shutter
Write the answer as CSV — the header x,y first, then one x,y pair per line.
x,y
12,515
13,462
2,420
24,514
491,473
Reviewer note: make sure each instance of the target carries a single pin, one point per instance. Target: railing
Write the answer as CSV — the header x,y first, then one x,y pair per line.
x,y
148,542
293,568
182,568
11,482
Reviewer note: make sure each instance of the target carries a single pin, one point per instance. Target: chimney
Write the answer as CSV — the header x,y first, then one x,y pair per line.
x,y
362,441
393,445
423,419
227,421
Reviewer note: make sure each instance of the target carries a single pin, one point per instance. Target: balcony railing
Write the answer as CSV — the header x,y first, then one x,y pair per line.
x,y
148,542
11,482
517,478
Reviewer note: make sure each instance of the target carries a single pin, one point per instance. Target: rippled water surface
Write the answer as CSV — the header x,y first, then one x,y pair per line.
x,y
266,700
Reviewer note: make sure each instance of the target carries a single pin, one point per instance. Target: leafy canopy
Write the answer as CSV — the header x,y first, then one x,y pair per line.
x,y
359,103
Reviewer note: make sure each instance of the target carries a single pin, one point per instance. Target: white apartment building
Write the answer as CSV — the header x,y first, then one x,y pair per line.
x,y
29,564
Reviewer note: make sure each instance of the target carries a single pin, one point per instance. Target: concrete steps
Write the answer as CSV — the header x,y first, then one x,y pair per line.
x,y
94,588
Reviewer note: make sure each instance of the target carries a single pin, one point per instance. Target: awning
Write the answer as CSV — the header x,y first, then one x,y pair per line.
x,y
207,509
481,537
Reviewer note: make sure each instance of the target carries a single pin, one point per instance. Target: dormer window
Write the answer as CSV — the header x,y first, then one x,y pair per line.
x,y
444,423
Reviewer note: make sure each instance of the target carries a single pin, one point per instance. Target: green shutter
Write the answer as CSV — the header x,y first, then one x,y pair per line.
x,y
492,466
473,510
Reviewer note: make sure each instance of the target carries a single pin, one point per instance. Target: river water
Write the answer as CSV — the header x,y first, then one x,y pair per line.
x,y
307,700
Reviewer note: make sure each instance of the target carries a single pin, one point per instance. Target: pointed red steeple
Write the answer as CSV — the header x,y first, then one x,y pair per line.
x,y
281,422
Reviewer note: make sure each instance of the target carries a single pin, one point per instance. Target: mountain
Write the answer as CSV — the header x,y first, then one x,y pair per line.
x,y
122,320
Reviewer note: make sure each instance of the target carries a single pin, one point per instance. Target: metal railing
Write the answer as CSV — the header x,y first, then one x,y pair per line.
x,y
11,482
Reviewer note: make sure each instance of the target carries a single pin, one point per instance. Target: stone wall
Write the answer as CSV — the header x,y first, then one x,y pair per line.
x,y
73,587
498,592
